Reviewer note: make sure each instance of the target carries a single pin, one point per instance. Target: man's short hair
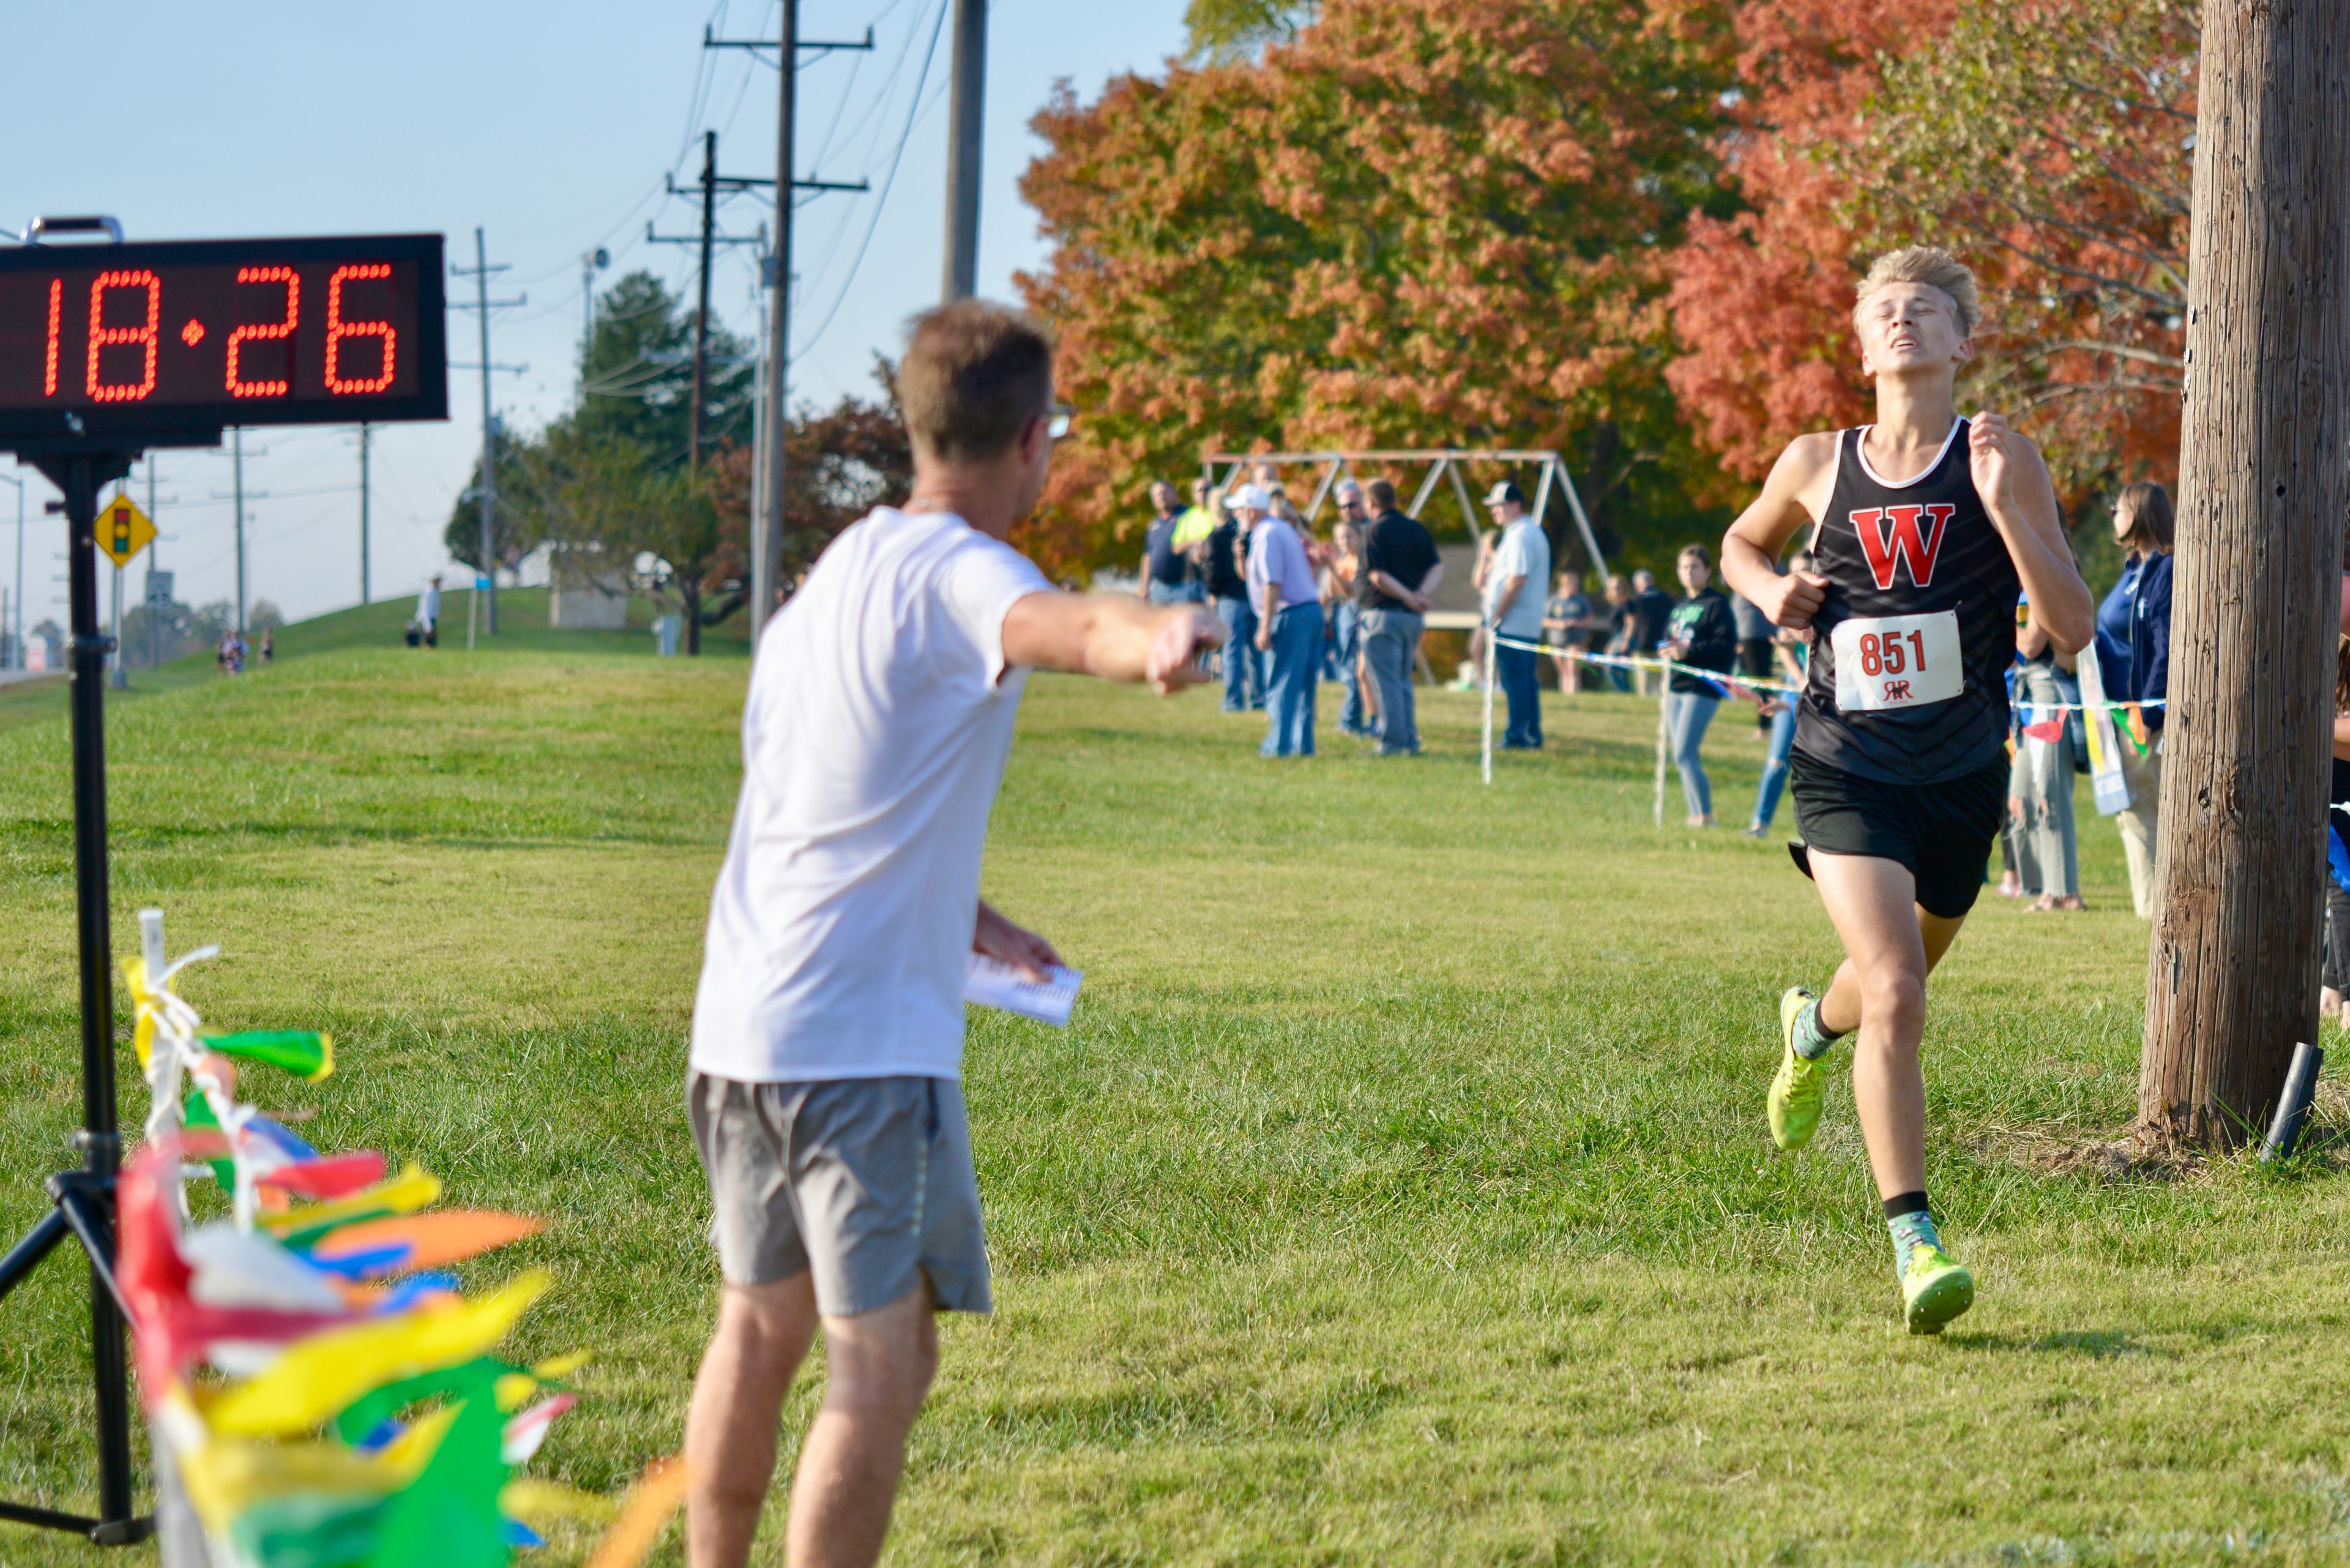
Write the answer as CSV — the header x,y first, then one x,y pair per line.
x,y
1931,265
974,376
1380,492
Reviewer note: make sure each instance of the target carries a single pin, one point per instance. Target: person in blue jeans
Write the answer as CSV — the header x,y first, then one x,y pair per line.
x,y
1338,605
1219,567
1288,624
1701,636
1780,712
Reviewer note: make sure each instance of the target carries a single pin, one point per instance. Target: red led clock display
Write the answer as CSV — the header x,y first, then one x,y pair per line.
x,y
124,338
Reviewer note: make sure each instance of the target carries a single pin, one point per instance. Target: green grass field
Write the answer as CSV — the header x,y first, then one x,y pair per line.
x,y
1400,1194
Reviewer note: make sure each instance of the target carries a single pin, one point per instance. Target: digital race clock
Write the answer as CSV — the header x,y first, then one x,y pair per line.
x,y
192,335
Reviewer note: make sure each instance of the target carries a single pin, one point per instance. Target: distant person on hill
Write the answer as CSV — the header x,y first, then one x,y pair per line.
x,y
828,1031
269,644
1512,595
1400,573
1288,622
1167,575
426,623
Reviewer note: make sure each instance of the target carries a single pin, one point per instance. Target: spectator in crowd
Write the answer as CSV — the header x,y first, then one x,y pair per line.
x,y
1288,622
1220,555
1794,653
1339,583
2040,778
1701,634
2133,661
1755,633
1512,591
1168,577
1566,626
1400,576
1622,627
268,643
1652,614
2332,1002
1198,520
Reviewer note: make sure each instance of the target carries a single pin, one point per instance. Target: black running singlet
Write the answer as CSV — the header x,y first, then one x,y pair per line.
x,y
1908,677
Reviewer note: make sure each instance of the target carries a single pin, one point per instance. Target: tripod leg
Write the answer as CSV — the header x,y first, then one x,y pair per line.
x,y
38,1243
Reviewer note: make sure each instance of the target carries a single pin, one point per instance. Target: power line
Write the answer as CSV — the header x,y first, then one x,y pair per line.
x,y
882,198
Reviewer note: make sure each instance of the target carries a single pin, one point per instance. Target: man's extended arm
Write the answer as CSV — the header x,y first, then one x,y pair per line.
x,y
1111,636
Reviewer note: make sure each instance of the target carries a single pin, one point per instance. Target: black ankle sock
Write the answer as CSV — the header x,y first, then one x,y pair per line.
x,y
1905,1203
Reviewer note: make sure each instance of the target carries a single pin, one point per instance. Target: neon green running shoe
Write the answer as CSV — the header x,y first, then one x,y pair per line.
x,y
1935,1290
1795,1092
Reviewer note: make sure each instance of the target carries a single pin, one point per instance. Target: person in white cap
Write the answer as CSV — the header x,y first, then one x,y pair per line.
x,y
1512,584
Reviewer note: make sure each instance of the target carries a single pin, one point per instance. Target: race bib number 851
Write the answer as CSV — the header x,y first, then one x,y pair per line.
x,y
1897,662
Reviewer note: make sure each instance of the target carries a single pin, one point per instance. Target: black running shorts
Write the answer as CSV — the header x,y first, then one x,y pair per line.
x,y
1941,831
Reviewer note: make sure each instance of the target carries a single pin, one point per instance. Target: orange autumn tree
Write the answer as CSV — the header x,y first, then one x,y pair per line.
x,y
2048,140
1414,223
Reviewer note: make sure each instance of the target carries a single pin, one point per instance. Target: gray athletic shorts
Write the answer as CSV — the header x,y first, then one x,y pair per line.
x,y
864,1181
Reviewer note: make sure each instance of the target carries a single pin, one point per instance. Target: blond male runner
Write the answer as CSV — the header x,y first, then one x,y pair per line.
x,y
824,1089
1924,525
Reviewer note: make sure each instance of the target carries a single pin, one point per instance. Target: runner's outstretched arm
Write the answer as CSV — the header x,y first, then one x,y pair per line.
x,y
2016,492
1111,636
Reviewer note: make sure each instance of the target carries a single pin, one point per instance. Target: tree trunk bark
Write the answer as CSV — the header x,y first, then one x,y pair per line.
x,y
693,603
2232,974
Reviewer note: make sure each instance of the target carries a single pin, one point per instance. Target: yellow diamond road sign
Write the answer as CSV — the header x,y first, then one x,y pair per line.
x,y
123,530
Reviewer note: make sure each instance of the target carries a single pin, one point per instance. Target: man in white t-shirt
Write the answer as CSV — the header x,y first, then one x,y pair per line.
x,y
1513,586
828,1031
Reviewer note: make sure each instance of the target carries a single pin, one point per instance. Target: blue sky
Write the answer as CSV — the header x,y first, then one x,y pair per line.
x,y
550,127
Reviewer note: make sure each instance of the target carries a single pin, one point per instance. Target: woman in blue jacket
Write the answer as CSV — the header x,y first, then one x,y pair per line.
x,y
2134,658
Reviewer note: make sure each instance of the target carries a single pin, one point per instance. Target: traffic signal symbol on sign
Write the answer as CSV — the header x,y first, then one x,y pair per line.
x,y
123,530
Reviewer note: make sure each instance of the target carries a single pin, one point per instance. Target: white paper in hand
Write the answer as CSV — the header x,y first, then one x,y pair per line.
x,y
991,983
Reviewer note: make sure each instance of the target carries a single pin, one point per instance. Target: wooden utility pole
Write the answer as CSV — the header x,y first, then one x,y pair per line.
x,y
702,301
2264,472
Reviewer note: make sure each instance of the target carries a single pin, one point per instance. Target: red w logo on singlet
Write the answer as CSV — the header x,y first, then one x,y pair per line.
x,y
1899,540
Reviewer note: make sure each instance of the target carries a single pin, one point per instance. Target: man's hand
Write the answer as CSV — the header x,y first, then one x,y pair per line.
x,y
1173,662
993,936
1790,601
1263,638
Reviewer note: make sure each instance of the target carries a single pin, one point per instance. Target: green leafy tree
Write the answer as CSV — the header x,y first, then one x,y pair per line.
x,y
1222,31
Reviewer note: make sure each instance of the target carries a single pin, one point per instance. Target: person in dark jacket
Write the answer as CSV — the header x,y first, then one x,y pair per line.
x,y
2134,660
1222,562
1701,634
1652,614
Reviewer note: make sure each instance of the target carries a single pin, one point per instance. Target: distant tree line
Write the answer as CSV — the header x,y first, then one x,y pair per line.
x,y
609,490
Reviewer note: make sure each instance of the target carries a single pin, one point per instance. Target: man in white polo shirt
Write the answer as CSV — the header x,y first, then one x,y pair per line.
x,y
827,1031
1510,585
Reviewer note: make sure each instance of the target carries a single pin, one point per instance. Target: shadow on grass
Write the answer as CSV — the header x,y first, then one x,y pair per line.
x,y
2098,1344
